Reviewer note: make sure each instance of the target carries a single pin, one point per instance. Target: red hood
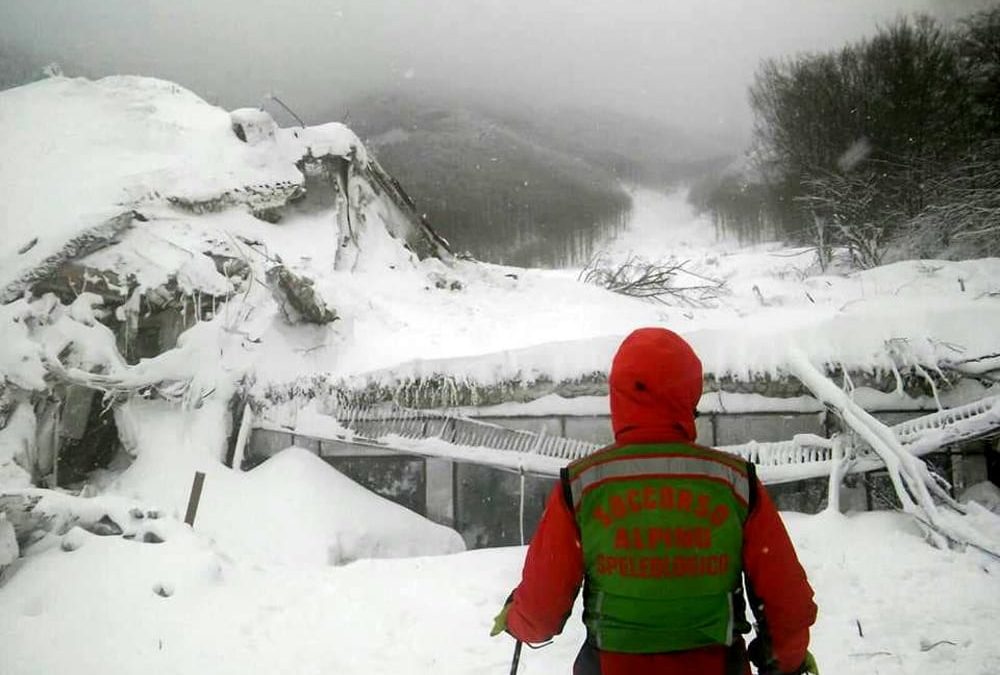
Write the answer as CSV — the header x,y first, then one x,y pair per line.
x,y
655,384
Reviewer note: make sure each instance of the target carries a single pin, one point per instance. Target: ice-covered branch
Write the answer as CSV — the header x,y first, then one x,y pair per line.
x,y
913,482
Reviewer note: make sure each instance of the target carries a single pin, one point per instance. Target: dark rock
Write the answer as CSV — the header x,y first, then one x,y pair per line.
x,y
268,215
297,297
152,538
105,527
67,280
93,239
89,436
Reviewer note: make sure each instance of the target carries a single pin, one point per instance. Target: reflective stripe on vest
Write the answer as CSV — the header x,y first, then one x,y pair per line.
x,y
664,464
658,460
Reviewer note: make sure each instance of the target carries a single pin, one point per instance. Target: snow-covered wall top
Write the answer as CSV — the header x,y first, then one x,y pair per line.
x,y
926,322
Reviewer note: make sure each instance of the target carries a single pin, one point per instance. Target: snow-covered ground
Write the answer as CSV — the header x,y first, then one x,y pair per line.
x,y
292,568
889,604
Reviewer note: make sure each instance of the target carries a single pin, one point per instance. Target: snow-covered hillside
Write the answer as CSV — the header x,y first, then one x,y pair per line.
x,y
165,261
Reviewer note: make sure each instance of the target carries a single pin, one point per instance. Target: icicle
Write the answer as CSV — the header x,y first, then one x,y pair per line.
x,y
934,390
848,382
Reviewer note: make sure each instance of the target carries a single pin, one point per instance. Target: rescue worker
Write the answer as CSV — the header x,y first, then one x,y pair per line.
x,y
661,533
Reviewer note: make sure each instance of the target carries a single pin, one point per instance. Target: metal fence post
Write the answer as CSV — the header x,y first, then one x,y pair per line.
x,y
195,498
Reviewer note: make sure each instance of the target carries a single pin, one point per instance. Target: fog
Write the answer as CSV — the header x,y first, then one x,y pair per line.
x,y
684,62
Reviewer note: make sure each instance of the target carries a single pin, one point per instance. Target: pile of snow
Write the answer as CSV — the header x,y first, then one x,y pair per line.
x,y
295,509
77,152
888,604
9,550
986,494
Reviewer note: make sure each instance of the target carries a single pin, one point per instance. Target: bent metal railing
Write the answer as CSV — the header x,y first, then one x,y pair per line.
x,y
804,456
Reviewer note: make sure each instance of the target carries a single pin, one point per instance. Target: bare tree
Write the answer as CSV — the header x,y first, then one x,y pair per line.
x,y
849,210
963,216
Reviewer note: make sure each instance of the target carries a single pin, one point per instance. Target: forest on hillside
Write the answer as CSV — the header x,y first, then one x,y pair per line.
x,y
495,194
517,184
887,146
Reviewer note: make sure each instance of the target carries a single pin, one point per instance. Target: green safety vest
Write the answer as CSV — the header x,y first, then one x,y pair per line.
x,y
662,533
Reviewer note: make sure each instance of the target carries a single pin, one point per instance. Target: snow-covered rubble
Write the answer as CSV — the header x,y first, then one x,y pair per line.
x,y
95,149
159,252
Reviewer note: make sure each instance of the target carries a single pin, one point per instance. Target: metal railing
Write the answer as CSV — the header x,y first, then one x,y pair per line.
x,y
805,456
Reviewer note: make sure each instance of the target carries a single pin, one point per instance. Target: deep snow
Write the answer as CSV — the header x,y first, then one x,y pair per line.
x,y
889,604
265,581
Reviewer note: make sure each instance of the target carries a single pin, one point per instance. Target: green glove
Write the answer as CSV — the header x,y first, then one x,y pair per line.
x,y
809,666
500,621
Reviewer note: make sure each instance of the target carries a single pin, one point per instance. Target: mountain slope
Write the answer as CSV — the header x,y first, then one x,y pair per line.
x,y
489,188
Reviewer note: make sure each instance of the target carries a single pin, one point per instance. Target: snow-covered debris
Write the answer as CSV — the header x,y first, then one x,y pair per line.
x,y
152,243
17,448
332,138
96,146
9,549
253,125
297,298
985,493
123,143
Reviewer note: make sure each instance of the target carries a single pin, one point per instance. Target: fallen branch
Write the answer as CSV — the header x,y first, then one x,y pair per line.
x,y
926,647
652,280
910,477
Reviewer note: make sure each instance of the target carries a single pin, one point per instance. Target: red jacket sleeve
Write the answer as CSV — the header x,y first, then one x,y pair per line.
x,y
779,583
553,572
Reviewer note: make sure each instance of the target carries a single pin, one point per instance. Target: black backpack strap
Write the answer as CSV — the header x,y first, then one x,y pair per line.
x,y
753,482
567,490
567,493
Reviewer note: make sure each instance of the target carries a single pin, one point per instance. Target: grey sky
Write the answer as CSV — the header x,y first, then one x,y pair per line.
x,y
686,62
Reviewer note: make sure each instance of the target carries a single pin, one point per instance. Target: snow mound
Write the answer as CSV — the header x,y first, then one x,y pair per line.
x,y
890,603
986,494
295,509
77,152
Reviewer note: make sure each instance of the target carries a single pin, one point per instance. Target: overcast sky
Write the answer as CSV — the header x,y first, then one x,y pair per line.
x,y
687,62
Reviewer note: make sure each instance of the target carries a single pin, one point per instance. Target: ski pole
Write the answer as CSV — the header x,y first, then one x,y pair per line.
x,y
517,658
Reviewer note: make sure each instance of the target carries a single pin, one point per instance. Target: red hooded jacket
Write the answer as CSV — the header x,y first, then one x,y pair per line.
x,y
655,384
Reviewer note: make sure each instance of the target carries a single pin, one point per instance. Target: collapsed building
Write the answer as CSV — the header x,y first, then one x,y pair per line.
x,y
152,283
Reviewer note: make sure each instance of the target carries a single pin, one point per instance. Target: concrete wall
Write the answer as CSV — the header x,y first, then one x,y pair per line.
x,y
713,429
